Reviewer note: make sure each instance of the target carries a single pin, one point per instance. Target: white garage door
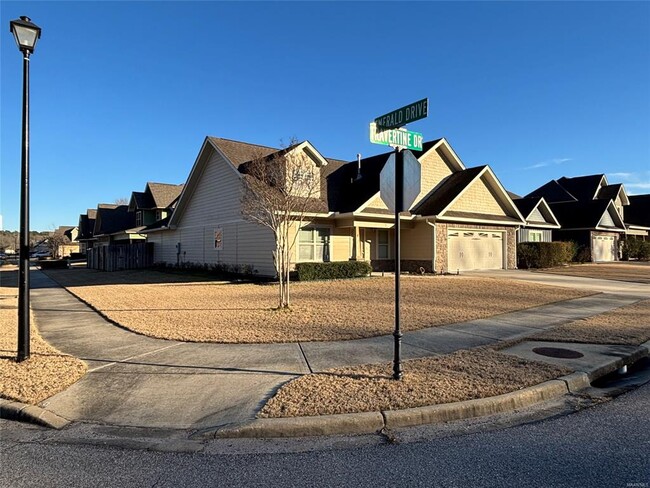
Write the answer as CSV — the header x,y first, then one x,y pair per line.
x,y
604,248
475,250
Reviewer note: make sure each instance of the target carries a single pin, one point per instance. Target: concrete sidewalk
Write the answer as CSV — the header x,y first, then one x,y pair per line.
x,y
134,380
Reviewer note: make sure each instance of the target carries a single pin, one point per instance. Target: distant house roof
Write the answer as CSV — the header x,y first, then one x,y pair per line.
x,y
582,187
164,194
113,218
552,192
527,206
87,224
583,215
638,212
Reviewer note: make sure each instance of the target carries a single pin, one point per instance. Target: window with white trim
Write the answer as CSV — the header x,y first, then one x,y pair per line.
x,y
382,244
535,236
314,244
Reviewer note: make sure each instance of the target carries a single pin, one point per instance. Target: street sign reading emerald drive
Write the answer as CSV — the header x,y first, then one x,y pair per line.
x,y
402,116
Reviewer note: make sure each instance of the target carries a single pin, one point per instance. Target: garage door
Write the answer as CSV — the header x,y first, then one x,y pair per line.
x,y
604,248
475,250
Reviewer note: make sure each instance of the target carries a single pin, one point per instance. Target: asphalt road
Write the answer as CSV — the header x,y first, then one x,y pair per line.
x,y
606,445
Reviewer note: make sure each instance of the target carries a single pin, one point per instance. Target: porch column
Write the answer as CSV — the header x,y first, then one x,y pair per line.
x,y
357,250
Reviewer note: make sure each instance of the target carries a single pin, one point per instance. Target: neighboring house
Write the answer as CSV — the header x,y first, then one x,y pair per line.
x,y
540,220
462,219
637,217
155,203
86,236
65,241
589,211
114,224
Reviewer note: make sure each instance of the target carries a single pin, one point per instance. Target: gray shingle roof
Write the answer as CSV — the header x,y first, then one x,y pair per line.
x,y
164,194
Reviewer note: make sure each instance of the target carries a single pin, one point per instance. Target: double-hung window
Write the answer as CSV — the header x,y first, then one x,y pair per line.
x,y
535,236
382,244
313,244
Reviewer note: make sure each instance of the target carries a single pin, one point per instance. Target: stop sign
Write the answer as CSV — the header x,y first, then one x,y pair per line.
x,y
412,181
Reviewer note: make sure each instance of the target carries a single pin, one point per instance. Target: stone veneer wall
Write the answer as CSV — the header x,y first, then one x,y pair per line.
x,y
441,258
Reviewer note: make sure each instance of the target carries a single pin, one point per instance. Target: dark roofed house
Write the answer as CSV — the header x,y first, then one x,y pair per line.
x,y
540,220
462,218
114,224
155,203
86,230
589,211
637,217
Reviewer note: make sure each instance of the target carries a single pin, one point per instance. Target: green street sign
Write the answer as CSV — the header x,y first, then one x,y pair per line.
x,y
404,115
396,137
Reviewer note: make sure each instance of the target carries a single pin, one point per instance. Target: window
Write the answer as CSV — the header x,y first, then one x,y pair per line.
x,y
138,218
535,236
382,244
314,244
160,215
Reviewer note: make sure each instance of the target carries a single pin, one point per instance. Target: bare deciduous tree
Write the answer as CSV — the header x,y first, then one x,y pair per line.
x,y
55,241
121,201
278,192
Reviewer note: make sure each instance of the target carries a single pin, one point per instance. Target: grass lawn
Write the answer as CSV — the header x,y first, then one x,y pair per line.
x,y
619,271
46,372
172,307
464,375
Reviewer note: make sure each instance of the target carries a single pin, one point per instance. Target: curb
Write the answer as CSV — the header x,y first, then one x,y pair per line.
x,y
31,414
374,422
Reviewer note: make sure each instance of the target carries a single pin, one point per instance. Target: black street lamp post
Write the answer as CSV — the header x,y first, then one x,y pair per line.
x,y
26,34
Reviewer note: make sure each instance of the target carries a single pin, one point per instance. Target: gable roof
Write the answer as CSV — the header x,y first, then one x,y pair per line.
x,y
585,214
439,202
582,187
87,224
113,218
163,195
611,192
552,192
239,152
527,207
638,212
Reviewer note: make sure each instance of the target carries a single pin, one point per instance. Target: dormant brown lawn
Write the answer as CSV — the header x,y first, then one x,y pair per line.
x,y
464,375
626,271
627,325
46,372
170,307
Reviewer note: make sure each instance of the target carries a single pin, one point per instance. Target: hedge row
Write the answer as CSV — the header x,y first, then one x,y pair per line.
x,y
332,271
545,254
636,249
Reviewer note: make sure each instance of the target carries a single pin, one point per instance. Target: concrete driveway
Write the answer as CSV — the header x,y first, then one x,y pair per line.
x,y
139,381
591,284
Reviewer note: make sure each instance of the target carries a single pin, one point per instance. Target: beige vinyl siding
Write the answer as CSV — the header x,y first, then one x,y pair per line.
x,y
478,199
417,243
376,202
216,202
340,244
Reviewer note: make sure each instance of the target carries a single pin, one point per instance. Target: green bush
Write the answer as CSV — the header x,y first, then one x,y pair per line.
x,y
636,249
332,271
544,254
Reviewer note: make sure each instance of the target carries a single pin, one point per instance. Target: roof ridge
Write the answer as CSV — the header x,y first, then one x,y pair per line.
x,y
242,142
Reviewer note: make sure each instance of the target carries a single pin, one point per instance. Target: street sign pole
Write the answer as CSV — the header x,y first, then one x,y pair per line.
x,y
399,203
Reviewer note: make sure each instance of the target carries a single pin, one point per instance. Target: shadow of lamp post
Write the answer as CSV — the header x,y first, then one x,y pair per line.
x,y
26,34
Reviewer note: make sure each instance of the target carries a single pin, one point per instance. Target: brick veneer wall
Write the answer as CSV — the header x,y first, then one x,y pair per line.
x,y
441,258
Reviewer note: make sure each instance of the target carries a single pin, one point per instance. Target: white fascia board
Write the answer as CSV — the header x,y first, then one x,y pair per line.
x,y
362,207
531,225
504,194
625,200
600,185
548,210
614,212
312,152
446,147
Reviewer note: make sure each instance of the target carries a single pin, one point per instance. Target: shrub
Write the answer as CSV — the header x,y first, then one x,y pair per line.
x,y
636,249
544,254
219,270
332,271
54,264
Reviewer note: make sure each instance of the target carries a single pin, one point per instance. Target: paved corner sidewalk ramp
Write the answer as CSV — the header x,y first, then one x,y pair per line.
x,y
138,381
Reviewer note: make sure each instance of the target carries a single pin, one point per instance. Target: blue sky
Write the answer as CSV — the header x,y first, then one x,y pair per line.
x,y
124,92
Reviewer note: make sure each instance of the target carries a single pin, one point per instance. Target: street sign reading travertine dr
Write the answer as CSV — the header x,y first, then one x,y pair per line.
x,y
396,137
402,116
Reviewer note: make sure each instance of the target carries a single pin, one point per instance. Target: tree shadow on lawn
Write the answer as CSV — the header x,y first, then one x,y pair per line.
x,y
91,277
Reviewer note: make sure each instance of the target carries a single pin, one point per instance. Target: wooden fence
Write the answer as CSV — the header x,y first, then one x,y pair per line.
x,y
118,257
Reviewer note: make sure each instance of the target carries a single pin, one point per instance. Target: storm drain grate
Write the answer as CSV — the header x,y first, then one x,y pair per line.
x,y
558,352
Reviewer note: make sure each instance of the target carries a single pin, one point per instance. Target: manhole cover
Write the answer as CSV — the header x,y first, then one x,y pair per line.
x,y
557,352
